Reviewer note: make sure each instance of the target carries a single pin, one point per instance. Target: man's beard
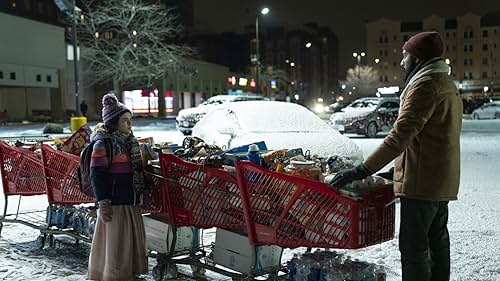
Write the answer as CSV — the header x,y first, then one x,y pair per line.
x,y
410,71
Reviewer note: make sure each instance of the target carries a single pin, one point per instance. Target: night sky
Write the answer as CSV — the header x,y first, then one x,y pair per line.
x,y
346,18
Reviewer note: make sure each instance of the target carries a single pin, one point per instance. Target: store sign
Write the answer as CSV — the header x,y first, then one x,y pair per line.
x,y
144,101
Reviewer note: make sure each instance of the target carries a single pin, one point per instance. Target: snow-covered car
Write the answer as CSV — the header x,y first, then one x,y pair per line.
x,y
487,111
281,125
367,116
188,117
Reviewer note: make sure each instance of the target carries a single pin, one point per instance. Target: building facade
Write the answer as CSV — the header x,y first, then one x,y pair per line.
x,y
472,48
309,56
37,75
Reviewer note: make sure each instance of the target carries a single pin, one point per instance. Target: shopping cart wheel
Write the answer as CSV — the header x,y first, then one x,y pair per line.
x,y
158,272
51,241
198,271
170,271
273,276
40,241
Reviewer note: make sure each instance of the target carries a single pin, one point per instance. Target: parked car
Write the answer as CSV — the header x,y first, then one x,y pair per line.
x,y
188,117
337,106
487,111
367,116
281,125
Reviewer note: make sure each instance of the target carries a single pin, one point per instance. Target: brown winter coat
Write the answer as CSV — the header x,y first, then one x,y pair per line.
x,y
426,141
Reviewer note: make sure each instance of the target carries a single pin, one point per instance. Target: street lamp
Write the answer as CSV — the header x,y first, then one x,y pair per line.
x,y
308,45
263,12
358,57
70,9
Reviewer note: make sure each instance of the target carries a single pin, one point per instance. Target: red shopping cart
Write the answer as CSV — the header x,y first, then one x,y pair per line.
x,y
295,212
195,196
22,175
200,196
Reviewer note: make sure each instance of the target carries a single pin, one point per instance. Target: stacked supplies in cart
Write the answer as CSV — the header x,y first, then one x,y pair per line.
x,y
80,219
332,266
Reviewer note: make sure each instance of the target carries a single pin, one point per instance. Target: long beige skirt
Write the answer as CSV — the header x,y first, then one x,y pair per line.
x,y
118,249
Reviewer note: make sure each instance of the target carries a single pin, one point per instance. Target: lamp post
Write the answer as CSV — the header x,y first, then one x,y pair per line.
x,y
264,12
70,9
358,57
75,58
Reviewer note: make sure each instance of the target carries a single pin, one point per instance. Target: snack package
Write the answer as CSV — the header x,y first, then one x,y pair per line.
x,y
77,141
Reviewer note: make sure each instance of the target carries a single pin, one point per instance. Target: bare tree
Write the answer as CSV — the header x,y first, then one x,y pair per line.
x,y
362,81
129,42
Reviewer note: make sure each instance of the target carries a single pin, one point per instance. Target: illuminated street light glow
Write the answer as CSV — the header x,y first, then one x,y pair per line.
x,y
287,61
296,97
265,11
447,61
363,54
343,86
134,45
292,64
486,88
134,33
320,99
97,34
308,45
318,108
355,55
377,60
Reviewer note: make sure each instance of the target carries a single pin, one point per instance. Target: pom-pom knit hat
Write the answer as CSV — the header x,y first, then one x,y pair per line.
x,y
112,109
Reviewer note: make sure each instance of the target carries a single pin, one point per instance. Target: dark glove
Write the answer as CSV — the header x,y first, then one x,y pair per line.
x,y
389,175
105,212
348,175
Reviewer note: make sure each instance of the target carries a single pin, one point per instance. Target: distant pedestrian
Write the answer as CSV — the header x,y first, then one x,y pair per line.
x,y
118,249
425,146
84,108
3,117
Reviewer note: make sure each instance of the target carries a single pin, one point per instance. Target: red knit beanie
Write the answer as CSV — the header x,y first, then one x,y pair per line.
x,y
425,45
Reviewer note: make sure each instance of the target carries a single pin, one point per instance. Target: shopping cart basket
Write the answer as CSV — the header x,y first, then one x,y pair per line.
x,y
22,174
295,212
200,196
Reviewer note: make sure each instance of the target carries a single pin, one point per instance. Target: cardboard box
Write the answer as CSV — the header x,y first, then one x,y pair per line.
x,y
159,236
233,250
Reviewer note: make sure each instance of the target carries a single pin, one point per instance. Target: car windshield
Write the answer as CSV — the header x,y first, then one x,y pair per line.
x,y
277,117
227,98
365,104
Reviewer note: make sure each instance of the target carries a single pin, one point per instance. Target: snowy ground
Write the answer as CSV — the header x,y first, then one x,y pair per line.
x,y
474,221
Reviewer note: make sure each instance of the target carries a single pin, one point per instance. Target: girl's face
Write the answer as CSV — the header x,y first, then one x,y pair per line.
x,y
125,123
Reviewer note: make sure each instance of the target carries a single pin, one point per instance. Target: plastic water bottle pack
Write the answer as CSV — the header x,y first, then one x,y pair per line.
x,y
332,266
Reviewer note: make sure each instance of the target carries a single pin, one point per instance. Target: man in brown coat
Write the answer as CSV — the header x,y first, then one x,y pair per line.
x,y
425,143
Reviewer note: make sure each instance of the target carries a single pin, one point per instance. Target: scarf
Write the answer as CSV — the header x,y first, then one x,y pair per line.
x,y
436,65
134,149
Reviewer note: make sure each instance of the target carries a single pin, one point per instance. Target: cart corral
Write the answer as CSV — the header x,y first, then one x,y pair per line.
x,y
257,212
